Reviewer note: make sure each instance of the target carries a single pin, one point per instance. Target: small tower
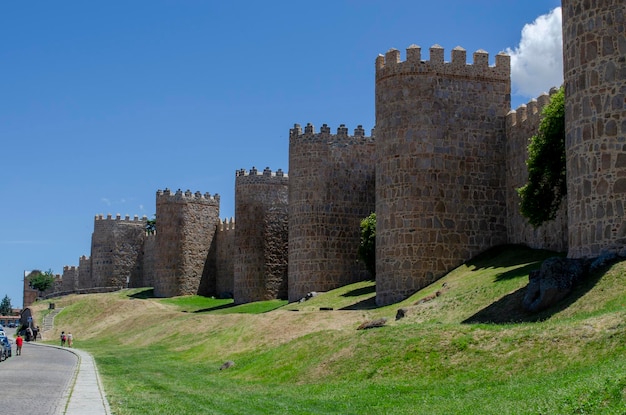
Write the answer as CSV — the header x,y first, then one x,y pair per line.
x,y
116,246
594,46
331,190
186,224
260,235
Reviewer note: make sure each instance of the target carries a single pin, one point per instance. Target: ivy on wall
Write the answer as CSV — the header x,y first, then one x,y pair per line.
x,y
541,196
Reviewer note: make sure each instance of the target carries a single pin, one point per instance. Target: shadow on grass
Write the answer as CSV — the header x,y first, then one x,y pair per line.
x,y
509,256
143,295
509,309
217,307
367,304
360,291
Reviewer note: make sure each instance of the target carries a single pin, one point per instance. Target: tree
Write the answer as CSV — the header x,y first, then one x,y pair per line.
x,y
41,280
541,196
151,226
367,247
6,309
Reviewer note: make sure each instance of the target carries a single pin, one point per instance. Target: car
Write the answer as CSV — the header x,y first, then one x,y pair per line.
x,y
5,349
4,342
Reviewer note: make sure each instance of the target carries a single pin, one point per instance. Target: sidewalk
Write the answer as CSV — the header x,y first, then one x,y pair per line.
x,y
86,395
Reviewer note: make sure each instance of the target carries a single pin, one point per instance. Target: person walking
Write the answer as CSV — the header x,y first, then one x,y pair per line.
x,y
18,344
63,339
69,339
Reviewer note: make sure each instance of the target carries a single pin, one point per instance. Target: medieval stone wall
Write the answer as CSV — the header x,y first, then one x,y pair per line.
x,y
440,173
522,124
261,235
186,224
146,279
225,259
594,47
116,250
331,189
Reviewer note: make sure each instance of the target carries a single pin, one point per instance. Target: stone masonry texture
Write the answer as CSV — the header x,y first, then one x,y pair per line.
x,y
594,60
186,224
260,235
331,190
440,173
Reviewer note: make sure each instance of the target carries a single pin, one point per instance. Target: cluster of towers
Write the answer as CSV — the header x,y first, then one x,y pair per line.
x,y
440,170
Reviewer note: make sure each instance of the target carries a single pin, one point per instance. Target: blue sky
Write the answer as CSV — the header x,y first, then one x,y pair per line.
x,y
102,103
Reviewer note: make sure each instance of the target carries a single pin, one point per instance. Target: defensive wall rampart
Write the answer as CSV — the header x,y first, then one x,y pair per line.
x,y
441,175
331,189
225,258
261,201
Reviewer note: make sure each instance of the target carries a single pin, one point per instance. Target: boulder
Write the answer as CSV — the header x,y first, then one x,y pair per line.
x,y
552,282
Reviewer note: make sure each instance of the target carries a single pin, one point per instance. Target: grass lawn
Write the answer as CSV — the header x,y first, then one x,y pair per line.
x,y
470,350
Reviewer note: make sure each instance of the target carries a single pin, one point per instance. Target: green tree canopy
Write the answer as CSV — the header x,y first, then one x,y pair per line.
x,y
6,309
151,225
41,280
367,247
541,196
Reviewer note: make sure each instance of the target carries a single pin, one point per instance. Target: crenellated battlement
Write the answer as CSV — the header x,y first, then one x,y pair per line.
x,y
187,196
67,268
390,64
226,225
531,111
267,172
118,217
309,134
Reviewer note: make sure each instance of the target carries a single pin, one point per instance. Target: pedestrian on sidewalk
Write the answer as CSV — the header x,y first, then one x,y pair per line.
x,y
18,344
63,339
69,339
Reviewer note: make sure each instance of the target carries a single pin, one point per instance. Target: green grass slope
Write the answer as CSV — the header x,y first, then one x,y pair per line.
x,y
471,349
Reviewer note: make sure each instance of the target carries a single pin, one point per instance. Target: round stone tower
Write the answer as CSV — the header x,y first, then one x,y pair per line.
x,y
594,50
186,225
260,269
440,173
331,190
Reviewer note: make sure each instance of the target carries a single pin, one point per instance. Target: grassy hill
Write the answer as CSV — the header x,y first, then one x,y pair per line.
x,y
471,349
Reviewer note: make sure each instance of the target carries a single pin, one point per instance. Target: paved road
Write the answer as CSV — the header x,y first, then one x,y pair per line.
x,y
38,381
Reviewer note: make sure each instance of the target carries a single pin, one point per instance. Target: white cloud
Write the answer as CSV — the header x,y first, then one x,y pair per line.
x,y
537,62
105,201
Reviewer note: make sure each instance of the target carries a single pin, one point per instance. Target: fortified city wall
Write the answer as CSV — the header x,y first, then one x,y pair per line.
x,y
331,189
594,50
225,259
261,235
146,279
440,172
522,124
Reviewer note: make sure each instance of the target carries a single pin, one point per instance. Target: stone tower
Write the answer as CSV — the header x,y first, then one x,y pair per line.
x,y
440,173
594,50
331,190
186,225
260,235
116,249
